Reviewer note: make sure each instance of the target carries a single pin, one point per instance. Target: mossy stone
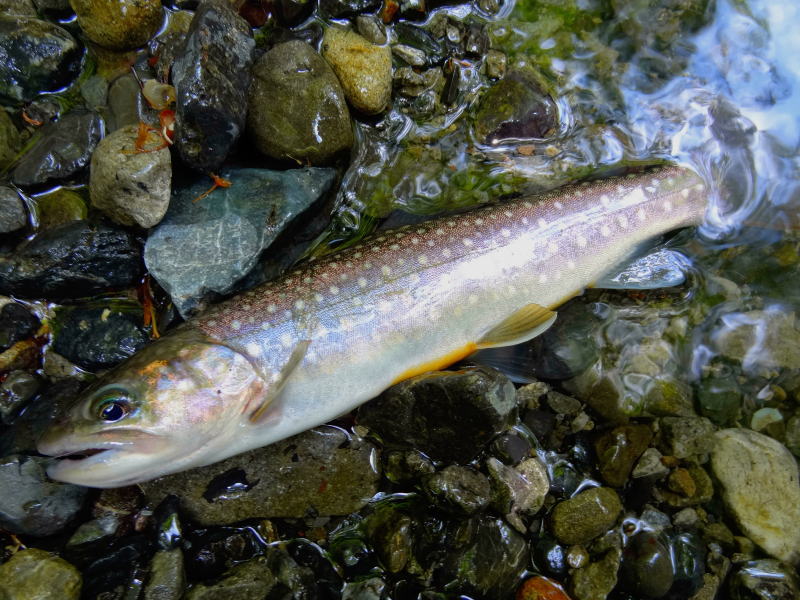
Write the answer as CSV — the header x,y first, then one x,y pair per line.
x,y
119,25
585,516
34,574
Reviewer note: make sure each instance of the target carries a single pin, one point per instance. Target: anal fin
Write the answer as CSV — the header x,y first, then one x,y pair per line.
x,y
525,324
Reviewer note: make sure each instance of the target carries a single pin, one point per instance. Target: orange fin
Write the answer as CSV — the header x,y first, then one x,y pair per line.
x,y
525,324
437,363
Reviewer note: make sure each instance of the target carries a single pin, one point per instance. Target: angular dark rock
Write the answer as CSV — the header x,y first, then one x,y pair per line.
x,y
347,8
16,323
64,148
15,392
73,260
618,449
211,80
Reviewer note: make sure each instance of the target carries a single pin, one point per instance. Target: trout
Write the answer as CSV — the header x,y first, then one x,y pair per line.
x,y
333,333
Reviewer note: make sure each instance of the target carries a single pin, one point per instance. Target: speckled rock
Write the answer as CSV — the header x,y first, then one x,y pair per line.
x,y
691,487
211,79
201,249
63,148
32,504
319,472
34,574
459,489
318,126
364,69
596,580
132,188
759,478
9,140
12,211
518,491
585,516
118,25
166,579
35,57
684,437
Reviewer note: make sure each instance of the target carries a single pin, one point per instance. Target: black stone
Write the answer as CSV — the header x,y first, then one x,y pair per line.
x,y
209,552
120,572
16,323
347,8
211,79
646,569
168,524
16,390
421,39
62,150
293,12
12,211
73,260
511,448
689,555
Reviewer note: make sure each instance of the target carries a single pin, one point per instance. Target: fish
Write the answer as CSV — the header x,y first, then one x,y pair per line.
x,y
335,332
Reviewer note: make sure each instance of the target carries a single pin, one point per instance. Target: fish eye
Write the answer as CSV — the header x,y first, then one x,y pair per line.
x,y
113,407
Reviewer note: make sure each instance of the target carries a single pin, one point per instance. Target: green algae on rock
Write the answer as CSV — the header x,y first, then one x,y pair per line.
x,y
585,516
119,25
34,574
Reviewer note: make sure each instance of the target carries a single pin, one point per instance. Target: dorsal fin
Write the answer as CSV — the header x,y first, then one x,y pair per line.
x,y
525,324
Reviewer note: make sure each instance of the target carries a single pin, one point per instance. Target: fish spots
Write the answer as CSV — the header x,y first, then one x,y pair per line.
x,y
447,253
343,277
386,270
246,307
422,231
622,220
478,222
265,326
431,243
508,213
641,215
467,242
401,262
358,254
385,306
451,223
307,280
685,193
212,323
505,232
422,259
362,282
253,349
581,241
333,290
541,222
605,231
527,204
605,200
318,297
415,241
667,206
395,246
357,301
299,305
272,308
525,220
651,189
542,278
286,340
236,325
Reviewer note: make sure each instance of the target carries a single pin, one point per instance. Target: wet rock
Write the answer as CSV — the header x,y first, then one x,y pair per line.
x,y
15,391
390,534
119,571
37,57
367,589
585,516
210,552
17,8
459,489
541,588
99,338
496,63
9,143
203,248
720,399
518,491
119,25
618,449
372,29
759,479
650,465
694,487
71,261
317,126
646,569
31,504
764,579
364,69
511,448
64,148
16,323
347,8
485,558
34,574
211,79
689,557
58,207
319,472
760,339
126,105
515,108
166,580
132,188
596,580
447,415
684,437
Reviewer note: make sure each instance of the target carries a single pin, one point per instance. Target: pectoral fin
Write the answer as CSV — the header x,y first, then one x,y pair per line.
x,y
276,385
525,324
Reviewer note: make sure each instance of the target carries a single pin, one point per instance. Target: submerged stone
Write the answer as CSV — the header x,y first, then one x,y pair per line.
x,y
459,489
618,449
764,579
250,580
201,249
119,25
211,79
585,516
58,207
166,579
16,391
34,574
646,569
9,141
35,57
62,150
73,260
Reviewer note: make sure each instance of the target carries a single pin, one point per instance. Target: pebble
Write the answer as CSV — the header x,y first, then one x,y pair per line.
x,y
17,8
166,579
16,390
764,579
684,437
518,491
618,449
694,485
347,8
649,465
58,207
119,25
458,489
132,188
646,569
541,588
63,149
413,57
762,340
318,125
585,516
37,57
372,29
16,323
759,479
34,574
390,534
364,69
596,580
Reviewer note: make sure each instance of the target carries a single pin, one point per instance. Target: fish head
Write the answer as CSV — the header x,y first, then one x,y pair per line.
x,y
173,405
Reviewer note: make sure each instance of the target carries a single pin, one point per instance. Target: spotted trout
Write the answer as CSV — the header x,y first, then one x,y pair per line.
x,y
333,333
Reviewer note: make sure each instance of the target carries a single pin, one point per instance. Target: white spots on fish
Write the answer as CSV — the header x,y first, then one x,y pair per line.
x,y
287,314
367,265
571,265
401,261
651,189
439,231
399,236
348,264
667,206
333,290
505,232
699,187
467,242
415,278
623,221
251,319
447,253
253,349
362,283
431,243
212,323
386,270
246,307
451,223
605,231
541,222
358,254
236,325
265,326
641,215
685,193
414,241
478,222
272,308
605,200
299,305
319,297
525,220
357,301
343,277
381,238
670,181
581,240
286,340
184,385
422,231
422,259
558,205
493,216
395,246
307,280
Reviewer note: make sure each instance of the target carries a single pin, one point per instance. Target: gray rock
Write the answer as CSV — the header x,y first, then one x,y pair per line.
x,y
35,57
617,450
585,516
647,569
450,416
132,188
765,579
211,79
64,148
126,105
319,472
31,504
683,437
761,339
459,489
73,260
250,580
203,248
485,558
12,211
518,491
650,465
371,28
16,323
759,478
166,580
34,574
296,106
95,92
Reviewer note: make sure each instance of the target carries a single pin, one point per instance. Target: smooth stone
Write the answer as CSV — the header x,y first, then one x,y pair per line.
x,y
166,579
99,338
689,558
9,140
485,558
320,472
317,126
202,249
16,323
32,504
35,57
64,148
759,479
697,487
126,105
73,260
250,580
12,211
58,207
364,69
211,79
34,574
132,188
683,437
646,569
372,29
541,588
765,579
121,24
459,489
450,416
390,534
94,92
618,449
596,580
585,516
